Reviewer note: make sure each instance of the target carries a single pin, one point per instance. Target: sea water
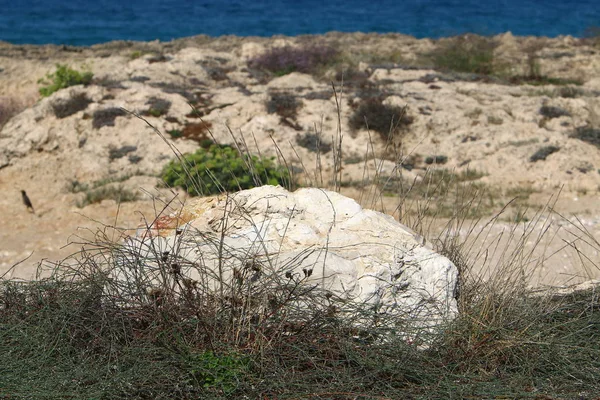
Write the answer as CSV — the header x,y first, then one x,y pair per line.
x,y
86,22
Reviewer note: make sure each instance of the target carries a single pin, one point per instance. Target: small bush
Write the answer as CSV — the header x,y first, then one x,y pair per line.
x,y
106,117
9,107
569,92
493,120
321,95
157,58
175,133
385,119
313,143
353,78
140,79
135,54
438,160
543,152
591,36
221,168
217,73
62,78
467,53
284,60
550,112
121,152
158,107
283,104
70,106
588,134
541,80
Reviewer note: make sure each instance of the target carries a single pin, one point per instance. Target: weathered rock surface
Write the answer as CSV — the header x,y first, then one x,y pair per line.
x,y
313,236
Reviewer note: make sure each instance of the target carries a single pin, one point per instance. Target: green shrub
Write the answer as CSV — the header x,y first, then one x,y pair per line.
x,y
175,133
220,168
62,78
219,372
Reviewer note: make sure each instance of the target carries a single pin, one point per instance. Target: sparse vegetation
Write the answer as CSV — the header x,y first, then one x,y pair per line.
x,y
384,119
468,53
104,189
157,107
437,159
106,117
493,120
285,105
162,334
474,114
84,333
438,193
550,112
587,134
72,105
117,193
221,168
116,153
135,54
313,142
9,107
175,133
62,78
569,92
308,59
543,152
472,54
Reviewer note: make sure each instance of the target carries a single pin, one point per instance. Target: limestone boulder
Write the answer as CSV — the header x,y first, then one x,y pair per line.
x,y
313,236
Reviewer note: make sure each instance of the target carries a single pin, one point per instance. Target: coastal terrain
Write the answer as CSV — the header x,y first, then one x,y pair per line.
x,y
516,119
486,149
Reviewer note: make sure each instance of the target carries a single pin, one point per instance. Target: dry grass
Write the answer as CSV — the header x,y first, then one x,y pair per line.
x,y
123,319
11,106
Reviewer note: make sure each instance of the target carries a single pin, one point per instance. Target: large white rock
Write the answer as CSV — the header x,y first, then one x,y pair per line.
x,y
356,254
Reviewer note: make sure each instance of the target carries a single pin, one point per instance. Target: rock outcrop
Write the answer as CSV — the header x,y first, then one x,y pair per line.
x,y
312,236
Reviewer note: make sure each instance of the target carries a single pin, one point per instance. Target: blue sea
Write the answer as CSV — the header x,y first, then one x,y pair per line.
x,y
86,22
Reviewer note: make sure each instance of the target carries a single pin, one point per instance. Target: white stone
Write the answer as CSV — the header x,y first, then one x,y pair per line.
x,y
354,253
